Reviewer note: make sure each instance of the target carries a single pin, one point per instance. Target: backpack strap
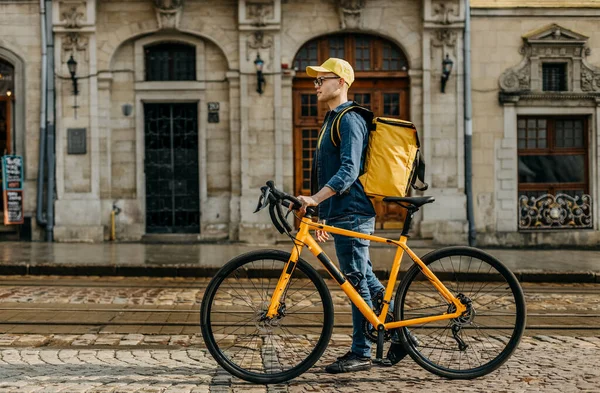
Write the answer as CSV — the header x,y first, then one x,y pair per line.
x,y
335,127
419,172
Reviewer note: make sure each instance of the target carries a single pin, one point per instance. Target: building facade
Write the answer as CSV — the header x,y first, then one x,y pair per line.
x,y
174,127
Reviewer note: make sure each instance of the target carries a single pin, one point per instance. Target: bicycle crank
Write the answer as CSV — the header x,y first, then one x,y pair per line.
x,y
371,332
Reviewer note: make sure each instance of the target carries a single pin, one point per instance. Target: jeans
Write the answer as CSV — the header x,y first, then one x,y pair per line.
x,y
353,257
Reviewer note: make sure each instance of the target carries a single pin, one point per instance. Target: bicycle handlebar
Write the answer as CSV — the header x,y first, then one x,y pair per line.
x,y
275,198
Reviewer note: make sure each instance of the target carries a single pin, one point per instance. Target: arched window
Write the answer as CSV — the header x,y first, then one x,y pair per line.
x,y
366,53
170,61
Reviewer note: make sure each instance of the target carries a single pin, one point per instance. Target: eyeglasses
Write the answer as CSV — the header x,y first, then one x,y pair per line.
x,y
319,81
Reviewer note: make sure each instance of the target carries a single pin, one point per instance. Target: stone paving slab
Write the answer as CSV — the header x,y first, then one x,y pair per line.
x,y
541,364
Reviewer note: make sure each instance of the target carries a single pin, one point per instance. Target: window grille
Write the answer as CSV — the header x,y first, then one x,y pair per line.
x,y
170,62
554,77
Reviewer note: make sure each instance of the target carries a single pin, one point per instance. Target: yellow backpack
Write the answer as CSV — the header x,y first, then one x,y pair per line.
x,y
393,162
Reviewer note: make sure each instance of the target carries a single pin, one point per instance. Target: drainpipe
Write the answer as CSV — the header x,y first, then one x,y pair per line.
x,y
50,126
41,158
468,127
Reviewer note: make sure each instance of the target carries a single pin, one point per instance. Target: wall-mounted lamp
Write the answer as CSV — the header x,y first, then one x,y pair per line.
x,y
446,70
260,79
126,109
72,64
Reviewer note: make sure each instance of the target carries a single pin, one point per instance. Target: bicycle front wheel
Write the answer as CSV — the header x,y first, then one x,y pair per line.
x,y
247,345
485,336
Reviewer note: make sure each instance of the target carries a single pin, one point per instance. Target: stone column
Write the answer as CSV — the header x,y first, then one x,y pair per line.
x,y
78,210
236,162
443,114
261,135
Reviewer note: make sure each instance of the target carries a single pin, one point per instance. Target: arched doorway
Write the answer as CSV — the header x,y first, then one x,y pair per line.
x,y
381,84
7,73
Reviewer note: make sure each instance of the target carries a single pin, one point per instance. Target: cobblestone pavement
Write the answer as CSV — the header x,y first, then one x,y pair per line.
x,y
108,362
189,292
542,363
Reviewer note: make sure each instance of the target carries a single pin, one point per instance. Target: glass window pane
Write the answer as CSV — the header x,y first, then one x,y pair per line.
x,y
391,104
362,47
7,82
542,143
307,55
542,133
552,169
170,62
521,123
554,77
336,47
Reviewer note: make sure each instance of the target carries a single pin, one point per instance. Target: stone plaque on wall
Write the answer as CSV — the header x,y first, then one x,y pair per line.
x,y
76,141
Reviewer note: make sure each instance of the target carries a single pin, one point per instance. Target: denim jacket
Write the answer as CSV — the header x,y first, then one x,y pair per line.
x,y
339,167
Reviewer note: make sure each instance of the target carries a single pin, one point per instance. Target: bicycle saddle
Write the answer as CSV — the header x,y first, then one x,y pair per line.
x,y
415,201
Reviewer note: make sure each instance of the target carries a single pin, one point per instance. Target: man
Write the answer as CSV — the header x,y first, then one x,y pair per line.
x,y
341,200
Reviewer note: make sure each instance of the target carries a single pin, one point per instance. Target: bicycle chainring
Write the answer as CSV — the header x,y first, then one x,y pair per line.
x,y
371,332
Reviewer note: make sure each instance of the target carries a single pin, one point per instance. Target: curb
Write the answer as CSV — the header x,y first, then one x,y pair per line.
x,y
203,272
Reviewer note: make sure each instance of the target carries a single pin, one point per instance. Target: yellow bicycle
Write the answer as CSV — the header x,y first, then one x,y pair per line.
x,y
267,316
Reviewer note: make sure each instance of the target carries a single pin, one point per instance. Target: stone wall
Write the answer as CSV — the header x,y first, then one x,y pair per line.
x,y
496,48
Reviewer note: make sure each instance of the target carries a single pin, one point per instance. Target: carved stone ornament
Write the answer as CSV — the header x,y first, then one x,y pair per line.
x,y
168,13
73,18
260,12
551,43
350,12
445,12
445,37
258,41
74,42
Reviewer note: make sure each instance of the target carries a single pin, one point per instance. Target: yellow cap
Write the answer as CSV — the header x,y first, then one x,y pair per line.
x,y
340,67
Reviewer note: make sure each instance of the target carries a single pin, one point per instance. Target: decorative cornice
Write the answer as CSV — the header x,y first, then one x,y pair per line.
x,y
507,98
552,43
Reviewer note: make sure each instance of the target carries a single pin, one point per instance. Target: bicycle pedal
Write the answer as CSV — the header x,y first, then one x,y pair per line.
x,y
382,363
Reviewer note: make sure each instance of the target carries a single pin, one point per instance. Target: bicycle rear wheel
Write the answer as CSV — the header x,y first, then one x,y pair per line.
x,y
485,336
236,332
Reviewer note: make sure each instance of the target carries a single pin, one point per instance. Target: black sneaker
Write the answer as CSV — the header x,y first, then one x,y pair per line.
x,y
348,363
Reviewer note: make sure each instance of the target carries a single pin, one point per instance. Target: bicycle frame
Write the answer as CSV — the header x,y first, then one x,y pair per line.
x,y
304,238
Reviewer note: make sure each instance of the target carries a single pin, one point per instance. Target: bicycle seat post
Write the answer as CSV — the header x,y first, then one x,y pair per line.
x,y
408,220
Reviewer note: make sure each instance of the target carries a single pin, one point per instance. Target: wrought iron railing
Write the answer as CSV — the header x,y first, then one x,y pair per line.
x,y
560,211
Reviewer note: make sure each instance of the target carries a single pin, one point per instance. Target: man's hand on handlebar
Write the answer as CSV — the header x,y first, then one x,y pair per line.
x,y
306,201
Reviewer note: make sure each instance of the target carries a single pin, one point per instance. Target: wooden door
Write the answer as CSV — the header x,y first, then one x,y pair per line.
x,y
5,125
382,85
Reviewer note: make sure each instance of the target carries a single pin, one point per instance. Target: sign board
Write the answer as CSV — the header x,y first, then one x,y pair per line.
x,y
13,207
12,172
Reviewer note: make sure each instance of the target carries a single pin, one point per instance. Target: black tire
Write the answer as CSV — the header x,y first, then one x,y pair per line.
x,y
255,351
491,331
